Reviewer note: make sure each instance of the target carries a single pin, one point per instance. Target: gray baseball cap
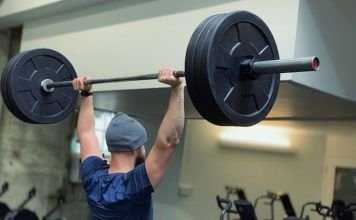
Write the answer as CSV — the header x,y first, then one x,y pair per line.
x,y
125,134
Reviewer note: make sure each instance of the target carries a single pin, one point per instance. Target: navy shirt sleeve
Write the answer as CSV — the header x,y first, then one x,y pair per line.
x,y
141,182
90,166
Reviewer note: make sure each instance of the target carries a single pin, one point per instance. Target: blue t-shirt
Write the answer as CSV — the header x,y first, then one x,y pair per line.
x,y
124,196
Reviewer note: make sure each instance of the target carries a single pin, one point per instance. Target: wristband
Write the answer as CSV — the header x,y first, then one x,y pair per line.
x,y
86,93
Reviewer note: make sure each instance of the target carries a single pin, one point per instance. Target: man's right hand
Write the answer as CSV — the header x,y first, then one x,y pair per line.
x,y
78,84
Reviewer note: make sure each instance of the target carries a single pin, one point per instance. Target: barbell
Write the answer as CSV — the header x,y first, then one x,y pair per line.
x,y
232,71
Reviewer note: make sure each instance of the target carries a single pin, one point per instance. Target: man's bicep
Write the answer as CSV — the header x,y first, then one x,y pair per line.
x,y
89,145
157,164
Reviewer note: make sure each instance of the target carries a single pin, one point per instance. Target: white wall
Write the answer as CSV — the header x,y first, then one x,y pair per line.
x,y
326,28
123,38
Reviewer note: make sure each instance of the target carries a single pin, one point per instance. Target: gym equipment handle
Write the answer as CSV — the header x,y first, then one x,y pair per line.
x,y
255,67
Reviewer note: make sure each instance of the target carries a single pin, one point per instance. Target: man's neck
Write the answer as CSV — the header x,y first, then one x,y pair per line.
x,y
122,162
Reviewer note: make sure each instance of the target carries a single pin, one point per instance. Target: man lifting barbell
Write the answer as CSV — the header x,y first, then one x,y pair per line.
x,y
122,190
232,71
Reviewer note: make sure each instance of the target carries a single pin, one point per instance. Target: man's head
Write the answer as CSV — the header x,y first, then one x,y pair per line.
x,y
125,134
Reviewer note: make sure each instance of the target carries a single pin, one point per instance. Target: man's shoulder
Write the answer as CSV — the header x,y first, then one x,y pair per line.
x,y
92,159
140,177
93,164
140,170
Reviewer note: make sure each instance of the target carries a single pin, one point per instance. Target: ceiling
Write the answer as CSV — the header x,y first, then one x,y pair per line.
x,y
52,8
294,102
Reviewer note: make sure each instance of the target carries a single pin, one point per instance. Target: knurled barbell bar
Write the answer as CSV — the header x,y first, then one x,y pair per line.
x,y
232,72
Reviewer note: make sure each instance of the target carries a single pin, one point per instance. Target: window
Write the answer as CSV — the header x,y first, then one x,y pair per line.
x,y
102,120
340,181
345,185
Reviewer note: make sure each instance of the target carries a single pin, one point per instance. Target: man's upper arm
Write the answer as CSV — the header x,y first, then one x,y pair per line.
x,y
157,163
89,145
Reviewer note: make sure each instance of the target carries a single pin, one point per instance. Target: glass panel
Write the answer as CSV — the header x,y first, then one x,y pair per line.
x,y
345,185
74,144
102,120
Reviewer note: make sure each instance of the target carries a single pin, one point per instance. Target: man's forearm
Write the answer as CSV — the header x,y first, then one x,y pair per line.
x,y
86,115
173,121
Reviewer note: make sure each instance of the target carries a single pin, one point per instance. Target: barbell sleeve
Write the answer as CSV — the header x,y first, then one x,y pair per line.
x,y
285,66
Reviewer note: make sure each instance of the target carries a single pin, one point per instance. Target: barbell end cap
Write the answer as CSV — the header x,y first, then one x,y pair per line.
x,y
315,63
44,86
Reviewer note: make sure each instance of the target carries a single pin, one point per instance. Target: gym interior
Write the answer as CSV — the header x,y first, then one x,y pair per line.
x,y
299,162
